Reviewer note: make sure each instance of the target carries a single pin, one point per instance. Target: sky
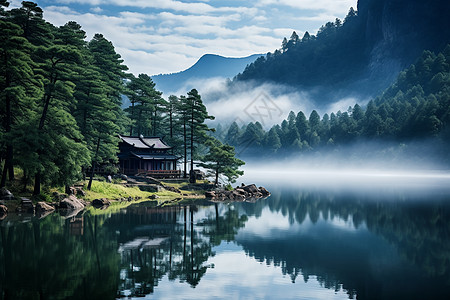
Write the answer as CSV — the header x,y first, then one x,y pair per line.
x,y
167,36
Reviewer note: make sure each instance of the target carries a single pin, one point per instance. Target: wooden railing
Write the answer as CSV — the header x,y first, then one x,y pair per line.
x,y
160,173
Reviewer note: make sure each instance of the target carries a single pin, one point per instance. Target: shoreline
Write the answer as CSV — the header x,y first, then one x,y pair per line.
x,y
107,197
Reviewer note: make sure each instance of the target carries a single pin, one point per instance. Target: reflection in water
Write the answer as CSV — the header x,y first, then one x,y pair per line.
x,y
349,244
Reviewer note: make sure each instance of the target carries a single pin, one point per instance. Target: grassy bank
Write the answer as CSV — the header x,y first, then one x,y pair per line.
x,y
112,191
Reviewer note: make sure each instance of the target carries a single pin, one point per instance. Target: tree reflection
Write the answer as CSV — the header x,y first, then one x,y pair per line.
x,y
41,260
130,252
418,230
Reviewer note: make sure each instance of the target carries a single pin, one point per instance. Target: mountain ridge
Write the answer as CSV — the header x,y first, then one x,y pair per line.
x,y
207,66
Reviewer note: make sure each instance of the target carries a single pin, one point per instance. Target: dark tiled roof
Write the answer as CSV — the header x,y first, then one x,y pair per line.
x,y
145,143
156,156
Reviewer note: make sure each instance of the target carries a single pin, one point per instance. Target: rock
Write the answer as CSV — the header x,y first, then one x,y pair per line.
x,y
249,193
43,207
241,192
210,194
80,192
238,195
58,196
72,203
172,189
251,188
263,191
152,188
6,194
132,181
3,210
257,195
153,197
101,202
70,190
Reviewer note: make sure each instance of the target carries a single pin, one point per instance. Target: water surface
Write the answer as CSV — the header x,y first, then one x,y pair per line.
x,y
306,241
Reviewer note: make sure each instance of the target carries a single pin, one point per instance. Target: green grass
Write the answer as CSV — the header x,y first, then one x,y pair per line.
x,y
114,191
182,185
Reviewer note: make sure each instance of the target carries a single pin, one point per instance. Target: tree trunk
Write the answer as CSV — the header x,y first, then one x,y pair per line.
x,y
94,164
217,176
131,117
8,166
192,178
37,184
171,123
185,148
47,98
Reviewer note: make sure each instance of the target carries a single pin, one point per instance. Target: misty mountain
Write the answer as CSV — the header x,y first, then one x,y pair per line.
x,y
208,66
409,119
359,56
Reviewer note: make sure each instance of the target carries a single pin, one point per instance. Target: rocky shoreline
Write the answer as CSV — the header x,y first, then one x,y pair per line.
x,y
243,193
70,202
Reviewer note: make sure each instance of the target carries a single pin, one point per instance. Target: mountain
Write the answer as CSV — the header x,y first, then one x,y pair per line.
x,y
208,66
361,55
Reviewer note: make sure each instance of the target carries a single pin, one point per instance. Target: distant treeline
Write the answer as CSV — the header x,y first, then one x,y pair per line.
x,y
415,106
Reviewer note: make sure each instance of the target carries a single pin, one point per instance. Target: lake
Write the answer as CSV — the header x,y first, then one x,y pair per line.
x,y
326,237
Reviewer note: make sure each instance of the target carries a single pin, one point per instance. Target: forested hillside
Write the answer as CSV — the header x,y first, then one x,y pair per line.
x,y
360,55
415,107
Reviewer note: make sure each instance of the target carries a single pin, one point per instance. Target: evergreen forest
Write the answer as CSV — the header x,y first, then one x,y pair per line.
x,y
61,103
415,107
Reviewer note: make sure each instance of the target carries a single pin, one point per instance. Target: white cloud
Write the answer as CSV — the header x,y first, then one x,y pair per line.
x,y
190,7
266,103
97,9
336,7
165,36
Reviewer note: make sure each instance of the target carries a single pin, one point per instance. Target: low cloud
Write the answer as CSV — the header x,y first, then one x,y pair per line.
x,y
266,103
245,102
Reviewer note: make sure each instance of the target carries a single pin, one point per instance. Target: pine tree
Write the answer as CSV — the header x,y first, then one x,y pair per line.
x,y
273,142
221,160
144,98
112,73
57,65
197,117
233,135
18,85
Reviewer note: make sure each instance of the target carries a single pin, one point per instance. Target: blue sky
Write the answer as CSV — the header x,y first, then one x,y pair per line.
x,y
164,36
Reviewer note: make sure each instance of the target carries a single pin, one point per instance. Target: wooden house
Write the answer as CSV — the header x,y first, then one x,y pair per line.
x,y
147,156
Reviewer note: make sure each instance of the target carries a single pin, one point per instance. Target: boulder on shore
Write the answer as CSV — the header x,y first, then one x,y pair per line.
x,y
6,194
249,193
210,194
101,202
43,207
72,203
3,210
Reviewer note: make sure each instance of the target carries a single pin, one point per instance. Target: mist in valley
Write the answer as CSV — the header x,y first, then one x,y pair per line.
x,y
375,168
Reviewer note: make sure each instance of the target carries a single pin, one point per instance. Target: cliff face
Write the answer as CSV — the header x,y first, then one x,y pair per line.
x,y
398,31
365,55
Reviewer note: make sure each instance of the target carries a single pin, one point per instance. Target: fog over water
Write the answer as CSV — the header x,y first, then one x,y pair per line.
x,y
376,177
